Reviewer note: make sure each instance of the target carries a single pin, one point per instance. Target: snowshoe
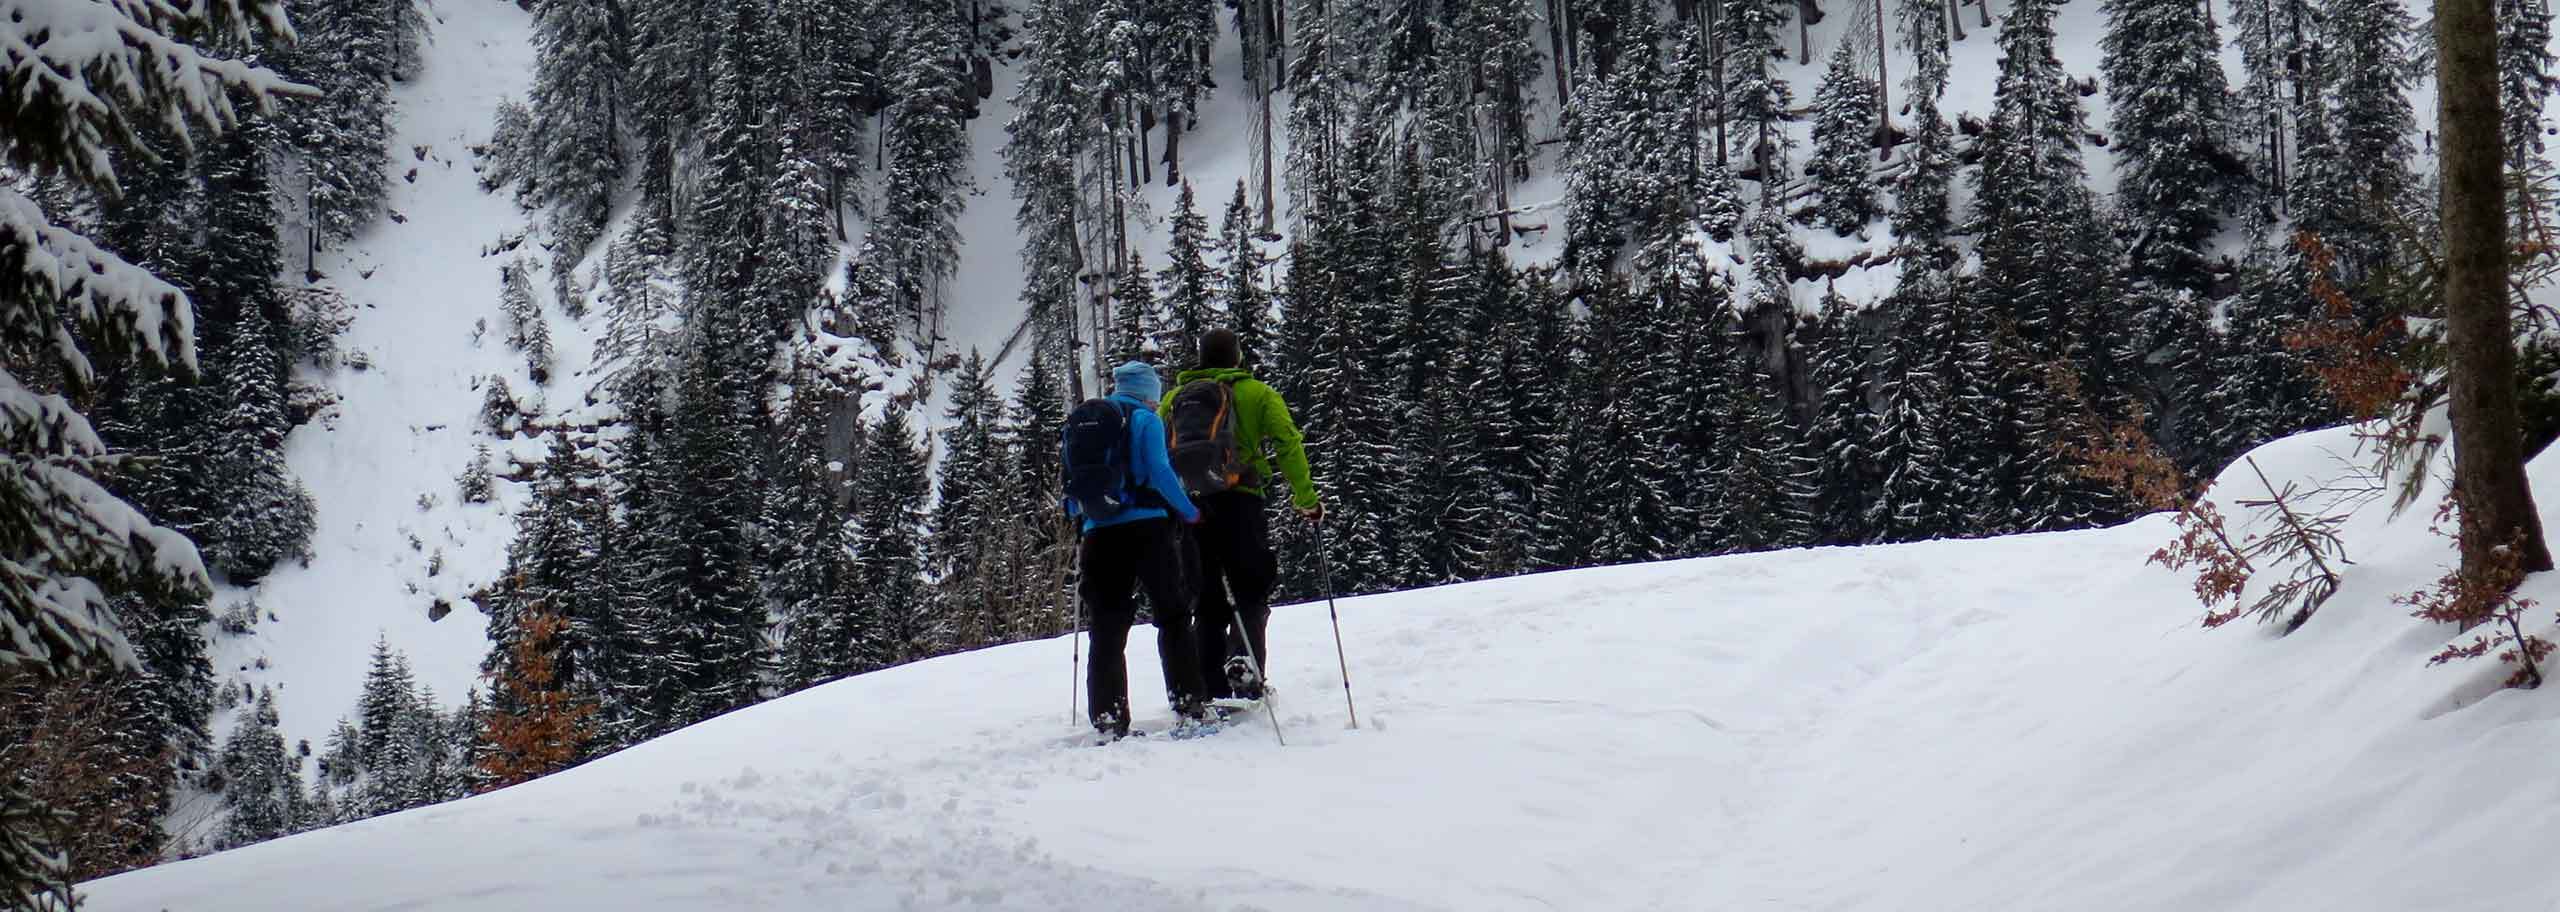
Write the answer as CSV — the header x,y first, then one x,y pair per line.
x,y
1241,680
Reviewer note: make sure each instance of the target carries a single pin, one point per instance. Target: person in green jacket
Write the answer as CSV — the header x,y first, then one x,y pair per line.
x,y
1233,537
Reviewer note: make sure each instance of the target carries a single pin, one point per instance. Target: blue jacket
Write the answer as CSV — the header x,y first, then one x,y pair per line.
x,y
1153,468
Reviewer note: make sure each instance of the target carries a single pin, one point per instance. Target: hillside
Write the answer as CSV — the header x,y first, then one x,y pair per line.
x,y
2024,722
394,546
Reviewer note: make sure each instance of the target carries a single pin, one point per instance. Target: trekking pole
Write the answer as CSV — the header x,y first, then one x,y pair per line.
x,y
1324,570
1075,666
1255,662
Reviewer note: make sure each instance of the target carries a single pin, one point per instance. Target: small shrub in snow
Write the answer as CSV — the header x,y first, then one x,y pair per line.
x,y
477,484
2485,596
316,316
240,619
2297,534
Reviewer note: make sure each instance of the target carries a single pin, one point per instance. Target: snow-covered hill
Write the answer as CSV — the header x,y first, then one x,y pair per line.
x,y
395,547
2020,723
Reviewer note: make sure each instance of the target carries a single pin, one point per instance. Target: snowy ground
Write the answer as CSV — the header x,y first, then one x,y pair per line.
x,y
392,540
2021,723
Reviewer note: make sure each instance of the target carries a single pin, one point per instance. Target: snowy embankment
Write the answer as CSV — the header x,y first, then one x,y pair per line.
x,y
2020,723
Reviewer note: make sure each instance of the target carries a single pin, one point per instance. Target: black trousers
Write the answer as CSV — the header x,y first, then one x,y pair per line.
x,y
1115,560
1237,570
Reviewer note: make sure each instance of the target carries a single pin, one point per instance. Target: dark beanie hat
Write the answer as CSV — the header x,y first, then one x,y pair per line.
x,y
1220,348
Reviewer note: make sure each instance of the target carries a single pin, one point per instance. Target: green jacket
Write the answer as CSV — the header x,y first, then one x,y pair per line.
x,y
1260,418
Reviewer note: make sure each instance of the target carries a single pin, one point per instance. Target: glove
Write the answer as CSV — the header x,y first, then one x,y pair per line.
x,y
1312,514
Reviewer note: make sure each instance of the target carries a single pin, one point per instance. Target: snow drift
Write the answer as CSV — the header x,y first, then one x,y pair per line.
x,y
2031,722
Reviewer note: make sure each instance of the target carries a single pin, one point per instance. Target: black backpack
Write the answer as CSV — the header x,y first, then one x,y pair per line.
x,y
1204,429
1094,451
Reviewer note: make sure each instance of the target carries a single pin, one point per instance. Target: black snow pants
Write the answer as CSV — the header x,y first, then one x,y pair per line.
x,y
1237,570
1114,560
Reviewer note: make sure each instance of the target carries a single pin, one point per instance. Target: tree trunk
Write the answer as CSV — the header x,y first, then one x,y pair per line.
x,y
2488,441
1955,24
1555,38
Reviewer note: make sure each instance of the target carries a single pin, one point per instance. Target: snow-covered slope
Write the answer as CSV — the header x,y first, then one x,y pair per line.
x,y
393,540
2020,723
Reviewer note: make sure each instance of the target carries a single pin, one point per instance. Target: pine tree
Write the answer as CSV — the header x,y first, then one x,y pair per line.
x,y
386,696
889,497
2277,40
1838,435
1189,283
1248,303
1756,97
2525,78
812,583
259,787
714,594
578,108
1923,211
351,50
1844,117
2373,124
1135,333
543,727
2169,107
1041,545
969,513
927,147
724,236
527,331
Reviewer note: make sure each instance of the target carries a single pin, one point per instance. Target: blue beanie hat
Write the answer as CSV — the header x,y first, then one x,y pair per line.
x,y
1138,379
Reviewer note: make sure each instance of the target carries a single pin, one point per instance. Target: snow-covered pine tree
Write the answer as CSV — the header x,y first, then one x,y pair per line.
x,y
2366,60
259,788
2169,109
723,230
527,331
1915,484
669,84
1756,96
837,59
1240,287
1180,34
2525,78
1190,286
350,49
967,518
553,568
2029,191
2277,40
388,684
255,513
1440,513
578,106
889,544
1517,392
637,667
811,584
1040,545
1137,323
800,248
714,597
1844,121
1839,347
1923,210
926,143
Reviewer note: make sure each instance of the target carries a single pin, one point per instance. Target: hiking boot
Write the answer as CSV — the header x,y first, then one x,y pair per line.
x,y
1241,680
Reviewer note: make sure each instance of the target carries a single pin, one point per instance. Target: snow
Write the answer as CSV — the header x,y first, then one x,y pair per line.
x,y
2027,722
406,424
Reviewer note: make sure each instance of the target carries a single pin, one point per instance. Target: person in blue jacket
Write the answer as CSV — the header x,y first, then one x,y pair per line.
x,y
1141,545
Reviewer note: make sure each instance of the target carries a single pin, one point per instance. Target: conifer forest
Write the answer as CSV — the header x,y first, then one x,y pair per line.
x,y
1547,284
